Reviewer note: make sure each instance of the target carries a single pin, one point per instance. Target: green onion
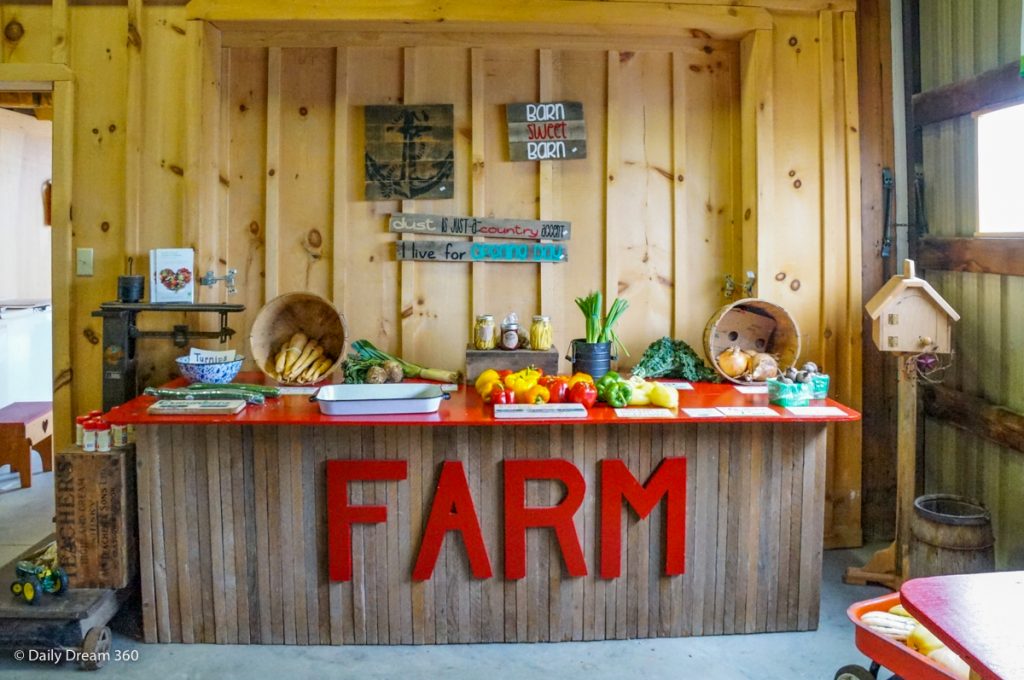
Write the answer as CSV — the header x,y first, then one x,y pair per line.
x,y
598,330
366,350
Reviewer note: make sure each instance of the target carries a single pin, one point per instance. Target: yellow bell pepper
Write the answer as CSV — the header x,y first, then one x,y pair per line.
x,y
665,397
485,380
641,394
486,389
580,377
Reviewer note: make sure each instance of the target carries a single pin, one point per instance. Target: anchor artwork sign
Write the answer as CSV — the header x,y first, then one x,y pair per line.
x,y
409,152
465,251
546,131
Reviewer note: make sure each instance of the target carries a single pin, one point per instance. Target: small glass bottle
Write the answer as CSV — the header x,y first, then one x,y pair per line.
x,y
540,333
484,332
118,436
80,429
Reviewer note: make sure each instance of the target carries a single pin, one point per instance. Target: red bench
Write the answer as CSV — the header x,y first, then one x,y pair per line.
x,y
23,426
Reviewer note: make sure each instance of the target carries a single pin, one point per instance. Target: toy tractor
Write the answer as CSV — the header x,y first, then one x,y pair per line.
x,y
33,577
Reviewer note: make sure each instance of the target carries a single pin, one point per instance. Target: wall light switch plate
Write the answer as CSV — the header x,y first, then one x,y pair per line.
x,y
83,262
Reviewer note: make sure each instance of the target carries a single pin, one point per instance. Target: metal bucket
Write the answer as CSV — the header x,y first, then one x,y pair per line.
x,y
592,358
950,535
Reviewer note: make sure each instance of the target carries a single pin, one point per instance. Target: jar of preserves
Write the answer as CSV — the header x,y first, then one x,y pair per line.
x,y
540,333
103,436
484,332
510,334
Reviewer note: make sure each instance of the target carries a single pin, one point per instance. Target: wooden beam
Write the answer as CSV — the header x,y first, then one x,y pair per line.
x,y
983,255
975,415
546,16
33,73
996,86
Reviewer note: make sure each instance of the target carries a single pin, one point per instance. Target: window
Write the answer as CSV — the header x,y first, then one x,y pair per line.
x,y
1000,154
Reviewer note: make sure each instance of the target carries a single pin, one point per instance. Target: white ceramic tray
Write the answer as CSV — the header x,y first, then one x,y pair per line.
x,y
376,400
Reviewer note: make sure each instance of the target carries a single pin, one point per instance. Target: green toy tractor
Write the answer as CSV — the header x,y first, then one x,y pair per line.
x,y
34,577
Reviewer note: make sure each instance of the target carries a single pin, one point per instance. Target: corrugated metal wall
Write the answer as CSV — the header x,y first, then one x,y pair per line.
x,y
959,40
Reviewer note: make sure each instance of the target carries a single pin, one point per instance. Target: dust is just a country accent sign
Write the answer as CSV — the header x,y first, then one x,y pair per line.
x,y
546,131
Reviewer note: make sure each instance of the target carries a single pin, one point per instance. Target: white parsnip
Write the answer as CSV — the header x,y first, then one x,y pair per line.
x,y
295,349
303,363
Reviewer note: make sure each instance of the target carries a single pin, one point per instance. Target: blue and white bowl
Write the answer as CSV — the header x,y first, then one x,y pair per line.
x,y
223,372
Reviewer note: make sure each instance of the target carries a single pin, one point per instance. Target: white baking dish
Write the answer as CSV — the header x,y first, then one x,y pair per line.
x,y
375,400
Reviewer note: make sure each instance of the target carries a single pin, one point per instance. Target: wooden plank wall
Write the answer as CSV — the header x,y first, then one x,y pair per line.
x,y
685,181
233,536
959,40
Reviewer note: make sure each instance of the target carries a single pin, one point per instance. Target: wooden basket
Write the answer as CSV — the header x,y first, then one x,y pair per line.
x,y
755,325
291,313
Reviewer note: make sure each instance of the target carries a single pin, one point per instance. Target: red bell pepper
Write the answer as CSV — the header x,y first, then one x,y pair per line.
x,y
583,393
559,389
502,395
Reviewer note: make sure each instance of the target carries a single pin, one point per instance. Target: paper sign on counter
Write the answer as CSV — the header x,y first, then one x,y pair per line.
x,y
703,412
541,411
819,411
678,385
746,411
752,389
644,413
304,391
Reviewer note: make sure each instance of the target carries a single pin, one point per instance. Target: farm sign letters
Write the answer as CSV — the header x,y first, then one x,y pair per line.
x,y
453,510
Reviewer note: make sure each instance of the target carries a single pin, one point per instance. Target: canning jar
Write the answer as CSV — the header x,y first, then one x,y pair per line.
x,y
510,332
540,333
484,332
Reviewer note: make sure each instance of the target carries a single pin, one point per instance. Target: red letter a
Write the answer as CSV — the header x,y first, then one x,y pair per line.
x,y
453,510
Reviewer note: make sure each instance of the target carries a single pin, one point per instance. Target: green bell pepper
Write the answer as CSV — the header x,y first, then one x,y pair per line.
x,y
605,381
617,394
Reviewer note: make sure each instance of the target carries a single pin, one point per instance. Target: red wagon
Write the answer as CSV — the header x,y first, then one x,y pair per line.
x,y
892,654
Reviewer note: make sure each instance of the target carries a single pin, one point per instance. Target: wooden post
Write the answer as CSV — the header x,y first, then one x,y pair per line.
x,y
890,566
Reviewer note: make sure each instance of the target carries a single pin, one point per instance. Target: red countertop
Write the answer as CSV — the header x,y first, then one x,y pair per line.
x,y
978,616
466,408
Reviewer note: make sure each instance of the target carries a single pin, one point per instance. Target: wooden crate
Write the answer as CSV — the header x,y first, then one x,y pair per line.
x,y
478,361
97,529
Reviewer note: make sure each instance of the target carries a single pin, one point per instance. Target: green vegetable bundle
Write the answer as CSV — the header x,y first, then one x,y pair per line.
x,y
598,329
673,359
367,352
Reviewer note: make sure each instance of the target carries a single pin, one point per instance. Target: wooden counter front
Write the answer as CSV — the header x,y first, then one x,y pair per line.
x,y
233,530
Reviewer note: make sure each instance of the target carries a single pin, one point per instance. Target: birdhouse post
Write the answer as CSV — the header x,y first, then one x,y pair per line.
x,y
908,318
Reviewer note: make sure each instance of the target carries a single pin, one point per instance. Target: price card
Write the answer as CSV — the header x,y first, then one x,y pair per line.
x,y
815,411
678,385
644,413
448,387
703,412
746,411
304,391
752,389
540,411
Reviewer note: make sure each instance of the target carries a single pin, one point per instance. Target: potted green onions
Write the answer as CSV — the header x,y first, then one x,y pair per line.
x,y
593,353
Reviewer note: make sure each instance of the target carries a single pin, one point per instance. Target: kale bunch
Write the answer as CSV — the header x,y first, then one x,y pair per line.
x,y
673,359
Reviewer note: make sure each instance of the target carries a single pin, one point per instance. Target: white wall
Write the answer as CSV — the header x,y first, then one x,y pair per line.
x,y
25,162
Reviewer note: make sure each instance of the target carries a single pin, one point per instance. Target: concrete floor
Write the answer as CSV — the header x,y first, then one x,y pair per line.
x,y
25,518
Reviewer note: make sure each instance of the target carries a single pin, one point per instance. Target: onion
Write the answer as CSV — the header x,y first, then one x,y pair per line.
x,y
763,366
734,362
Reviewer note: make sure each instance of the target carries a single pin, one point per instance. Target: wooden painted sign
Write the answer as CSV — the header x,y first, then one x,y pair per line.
x,y
453,509
409,152
546,131
445,225
464,251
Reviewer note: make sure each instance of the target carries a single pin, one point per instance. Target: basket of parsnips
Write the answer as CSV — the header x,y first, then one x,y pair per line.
x,y
298,339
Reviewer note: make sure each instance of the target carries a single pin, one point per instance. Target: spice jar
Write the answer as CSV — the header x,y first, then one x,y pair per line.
x,y
89,436
510,331
484,332
102,436
118,435
540,333
80,429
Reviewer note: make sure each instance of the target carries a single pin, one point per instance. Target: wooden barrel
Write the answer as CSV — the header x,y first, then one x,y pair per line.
x,y
950,535
292,313
755,325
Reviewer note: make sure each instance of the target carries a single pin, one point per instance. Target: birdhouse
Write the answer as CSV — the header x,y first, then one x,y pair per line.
x,y
907,315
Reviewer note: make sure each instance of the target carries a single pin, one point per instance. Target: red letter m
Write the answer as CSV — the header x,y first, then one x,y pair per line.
x,y
618,483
